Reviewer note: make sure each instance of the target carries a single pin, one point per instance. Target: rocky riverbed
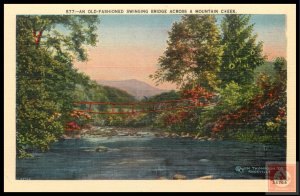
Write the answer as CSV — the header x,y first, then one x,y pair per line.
x,y
108,132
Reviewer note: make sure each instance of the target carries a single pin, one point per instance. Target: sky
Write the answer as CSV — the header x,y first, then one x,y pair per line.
x,y
130,45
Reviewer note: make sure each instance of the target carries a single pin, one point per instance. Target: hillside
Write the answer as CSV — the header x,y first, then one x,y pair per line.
x,y
96,92
136,88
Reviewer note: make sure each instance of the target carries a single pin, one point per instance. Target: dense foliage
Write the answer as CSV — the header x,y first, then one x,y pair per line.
x,y
247,95
193,55
241,53
46,79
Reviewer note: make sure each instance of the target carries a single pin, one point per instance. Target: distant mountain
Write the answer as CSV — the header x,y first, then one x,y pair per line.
x,y
136,88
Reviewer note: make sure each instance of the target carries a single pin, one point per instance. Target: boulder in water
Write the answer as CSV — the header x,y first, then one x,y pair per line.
x,y
101,149
157,135
205,177
174,135
179,177
203,160
197,136
162,178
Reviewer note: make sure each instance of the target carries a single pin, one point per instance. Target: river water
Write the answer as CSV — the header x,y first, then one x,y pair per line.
x,y
148,157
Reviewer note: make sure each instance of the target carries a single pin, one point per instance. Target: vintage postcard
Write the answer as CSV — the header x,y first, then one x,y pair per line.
x,y
150,98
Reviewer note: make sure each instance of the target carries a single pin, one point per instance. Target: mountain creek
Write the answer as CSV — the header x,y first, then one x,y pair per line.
x,y
143,154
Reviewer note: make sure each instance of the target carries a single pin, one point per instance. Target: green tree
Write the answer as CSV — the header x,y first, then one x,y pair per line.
x,y
280,65
64,36
193,55
241,53
254,112
45,76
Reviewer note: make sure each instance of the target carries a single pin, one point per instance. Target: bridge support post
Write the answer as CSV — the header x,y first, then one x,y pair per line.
x,y
112,108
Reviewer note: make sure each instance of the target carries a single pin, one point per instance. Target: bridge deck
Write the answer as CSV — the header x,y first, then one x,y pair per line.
x,y
140,107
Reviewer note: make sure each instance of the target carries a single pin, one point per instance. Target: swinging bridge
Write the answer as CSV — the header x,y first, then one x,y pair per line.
x,y
137,107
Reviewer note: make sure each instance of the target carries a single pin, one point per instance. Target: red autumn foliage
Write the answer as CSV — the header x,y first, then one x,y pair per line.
x,y
80,114
78,120
281,112
176,118
199,96
250,112
72,126
37,37
198,92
